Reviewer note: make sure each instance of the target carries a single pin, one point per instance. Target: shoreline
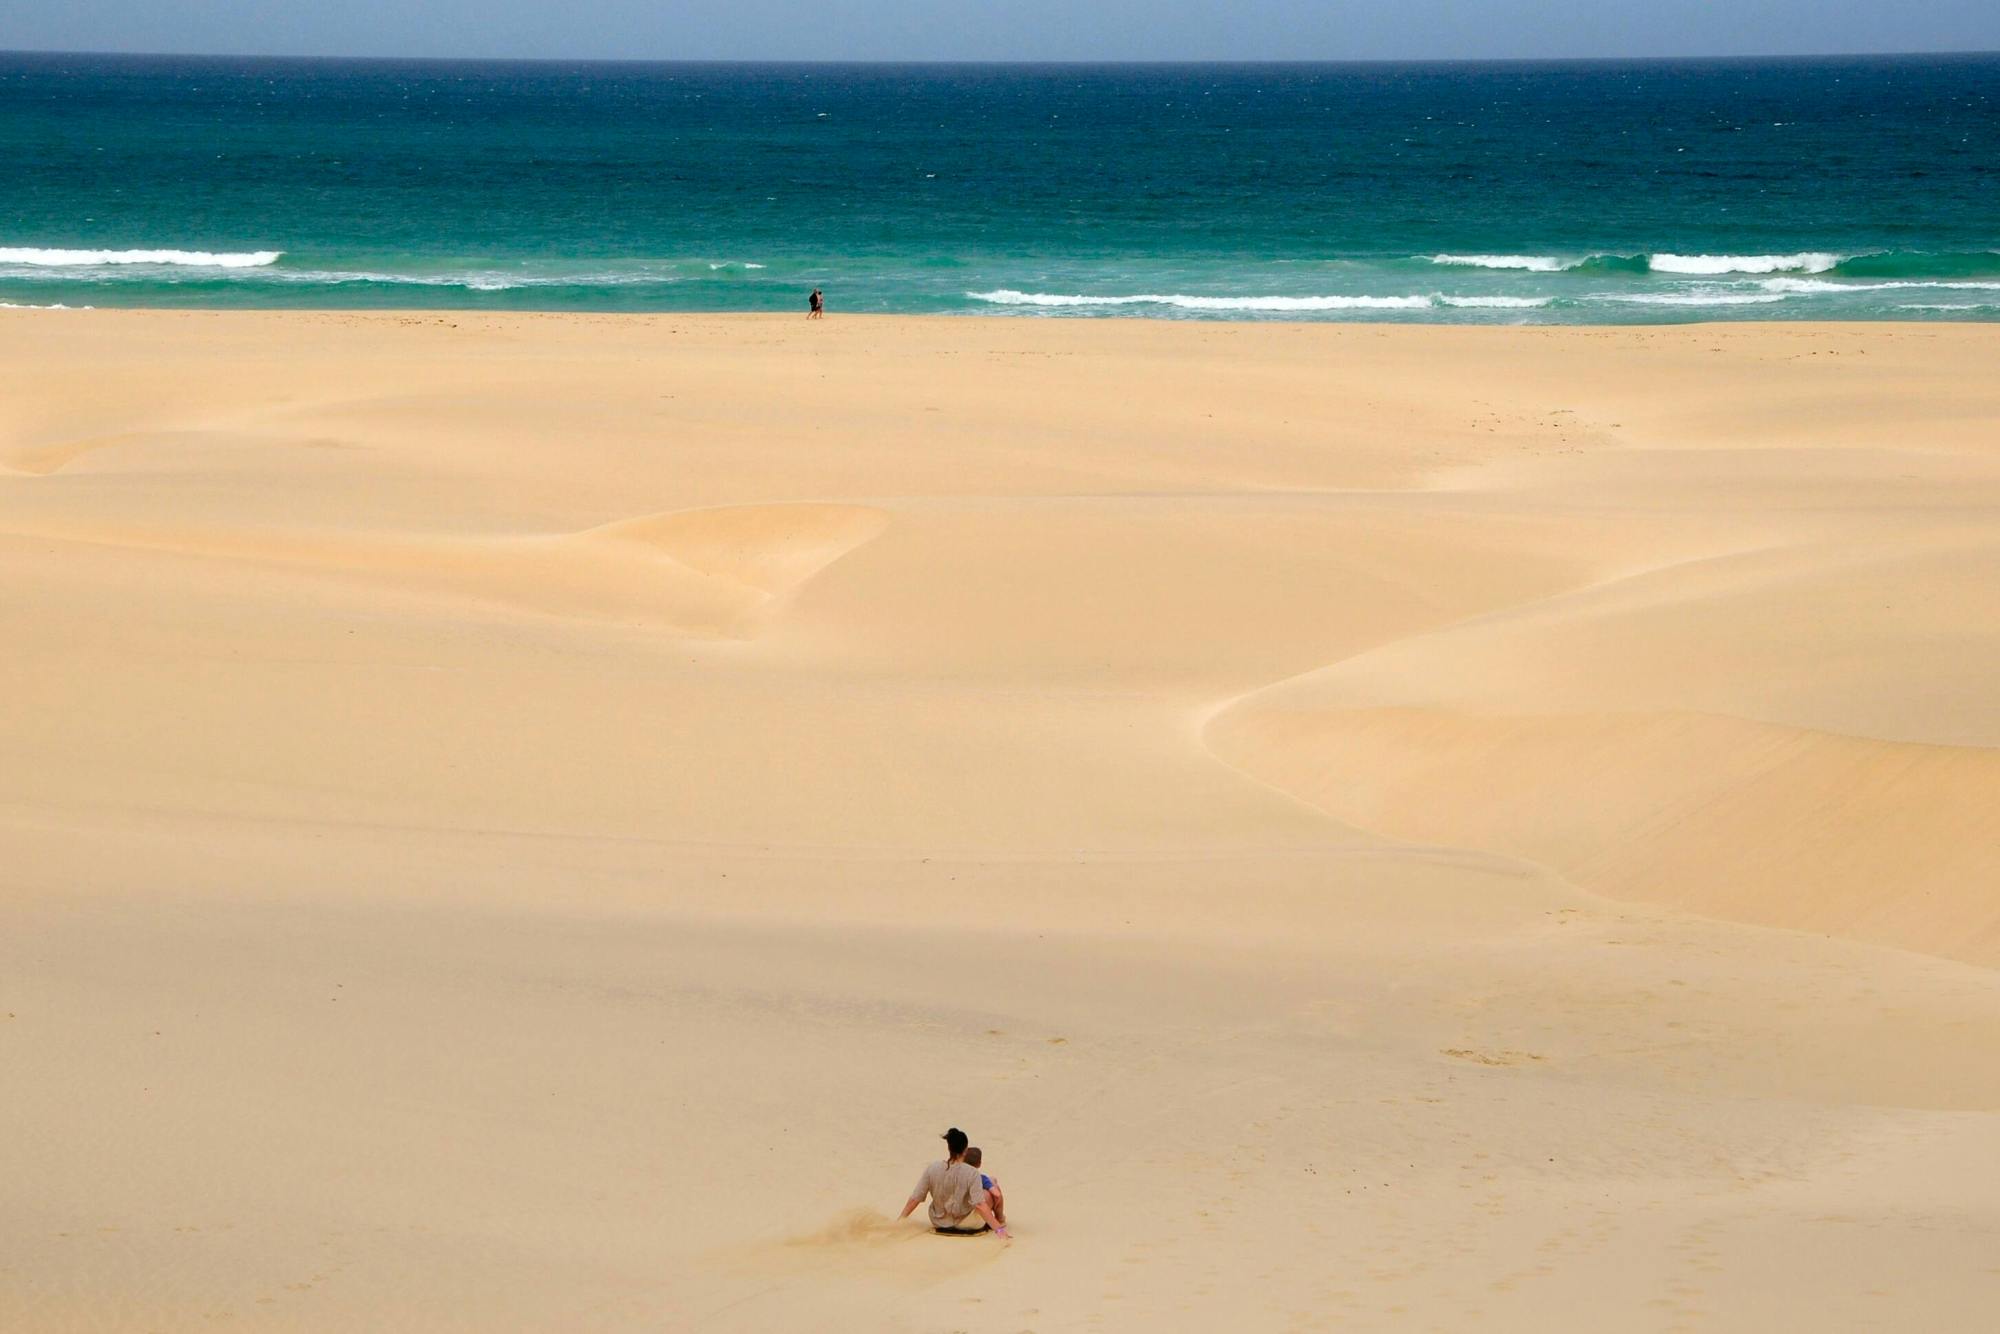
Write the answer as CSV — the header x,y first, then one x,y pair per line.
x,y
978,316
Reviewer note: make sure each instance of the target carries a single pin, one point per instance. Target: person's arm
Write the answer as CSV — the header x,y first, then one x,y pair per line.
x,y
986,1212
917,1196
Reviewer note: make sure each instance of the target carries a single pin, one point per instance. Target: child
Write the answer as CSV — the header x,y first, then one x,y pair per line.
x,y
973,1158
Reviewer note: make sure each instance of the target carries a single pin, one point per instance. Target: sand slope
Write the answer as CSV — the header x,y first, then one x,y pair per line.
x,y
536,823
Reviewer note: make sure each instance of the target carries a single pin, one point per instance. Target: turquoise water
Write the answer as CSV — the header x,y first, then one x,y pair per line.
x,y
1574,192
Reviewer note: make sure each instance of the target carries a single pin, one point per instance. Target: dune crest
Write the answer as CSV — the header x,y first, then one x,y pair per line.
x,y
770,548
43,460
703,573
1788,735
1728,817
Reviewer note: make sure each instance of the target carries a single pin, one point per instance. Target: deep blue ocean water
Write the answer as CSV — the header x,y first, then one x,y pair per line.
x,y
1564,192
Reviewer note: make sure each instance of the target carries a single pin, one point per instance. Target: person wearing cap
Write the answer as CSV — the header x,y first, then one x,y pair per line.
x,y
959,1207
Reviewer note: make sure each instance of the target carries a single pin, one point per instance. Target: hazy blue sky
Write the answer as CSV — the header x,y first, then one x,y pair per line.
x,y
1003,29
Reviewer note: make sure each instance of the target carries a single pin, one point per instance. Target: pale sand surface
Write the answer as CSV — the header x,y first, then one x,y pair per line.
x,y
536,823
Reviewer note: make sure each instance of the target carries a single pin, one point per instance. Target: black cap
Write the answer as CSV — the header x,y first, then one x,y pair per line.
x,y
955,1140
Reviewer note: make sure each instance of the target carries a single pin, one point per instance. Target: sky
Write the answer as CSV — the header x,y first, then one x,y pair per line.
x,y
1003,29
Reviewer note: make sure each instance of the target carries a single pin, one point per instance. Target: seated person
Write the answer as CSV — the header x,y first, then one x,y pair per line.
x,y
976,1157
958,1200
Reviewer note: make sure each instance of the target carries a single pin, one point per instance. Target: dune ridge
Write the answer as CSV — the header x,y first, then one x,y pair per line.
x,y
1647,775
702,572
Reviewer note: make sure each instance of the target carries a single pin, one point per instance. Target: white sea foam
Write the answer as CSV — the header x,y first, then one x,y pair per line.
x,y
1532,263
1821,285
1691,298
1805,262
1495,302
23,305
197,259
1010,297
476,281
1810,262
1809,286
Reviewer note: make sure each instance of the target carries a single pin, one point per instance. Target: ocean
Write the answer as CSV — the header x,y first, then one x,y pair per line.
x,y
1573,192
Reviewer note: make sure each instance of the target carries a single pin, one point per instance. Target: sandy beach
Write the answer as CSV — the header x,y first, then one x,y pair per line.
x,y
534,823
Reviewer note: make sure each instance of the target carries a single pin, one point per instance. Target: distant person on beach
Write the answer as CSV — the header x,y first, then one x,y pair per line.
x,y
975,1157
958,1200
816,305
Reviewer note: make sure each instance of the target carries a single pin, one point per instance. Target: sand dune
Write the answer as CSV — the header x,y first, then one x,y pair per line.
x,y
1795,736
537,822
698,572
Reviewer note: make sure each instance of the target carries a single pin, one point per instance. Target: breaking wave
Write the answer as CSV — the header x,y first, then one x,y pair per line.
x,y
1057,300
1821,287
1531,263
1007,296
1873,264
1694,265
36,257
1495,302
1814,261
1690,298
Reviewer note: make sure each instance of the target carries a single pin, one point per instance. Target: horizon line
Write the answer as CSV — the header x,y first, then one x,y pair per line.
x,y
1073,61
